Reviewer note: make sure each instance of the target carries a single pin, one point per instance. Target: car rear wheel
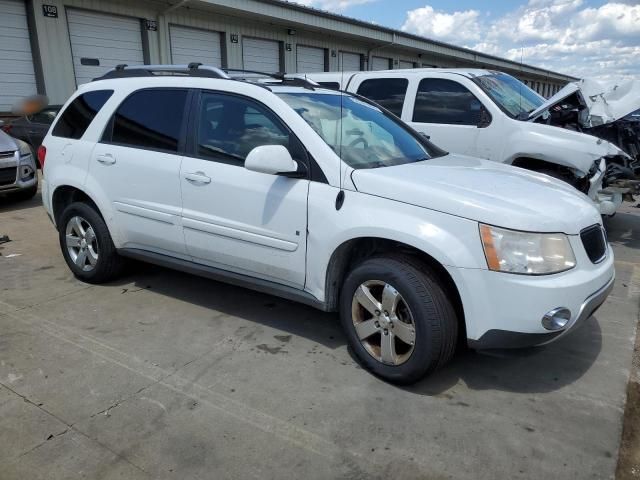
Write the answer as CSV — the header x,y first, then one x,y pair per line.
x,y
86,244
398,318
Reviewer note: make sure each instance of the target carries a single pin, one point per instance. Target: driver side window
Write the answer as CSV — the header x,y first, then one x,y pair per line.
x,y
229,127
444,101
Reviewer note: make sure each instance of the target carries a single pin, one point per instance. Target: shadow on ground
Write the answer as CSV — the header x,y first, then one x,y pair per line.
x,y
9,203
533,370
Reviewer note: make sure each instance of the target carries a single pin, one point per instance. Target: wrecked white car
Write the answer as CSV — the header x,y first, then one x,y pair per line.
x,y
487,114
610,112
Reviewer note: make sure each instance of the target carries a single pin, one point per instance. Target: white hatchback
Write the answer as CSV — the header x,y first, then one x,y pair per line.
x,y
280,185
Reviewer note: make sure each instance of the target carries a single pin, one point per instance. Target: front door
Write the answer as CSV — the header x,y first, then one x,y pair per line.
x,y
235,219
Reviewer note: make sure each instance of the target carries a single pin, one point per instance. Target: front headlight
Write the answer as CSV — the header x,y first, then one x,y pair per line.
x,y
526,253
24,150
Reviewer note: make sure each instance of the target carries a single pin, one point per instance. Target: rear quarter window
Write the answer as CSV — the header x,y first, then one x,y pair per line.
x,y
79,114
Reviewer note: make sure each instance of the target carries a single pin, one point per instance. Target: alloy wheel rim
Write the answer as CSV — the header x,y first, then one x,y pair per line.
x,y
82,244
383,322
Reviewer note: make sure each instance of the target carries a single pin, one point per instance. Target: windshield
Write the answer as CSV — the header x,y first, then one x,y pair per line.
x,y
360,133
510,94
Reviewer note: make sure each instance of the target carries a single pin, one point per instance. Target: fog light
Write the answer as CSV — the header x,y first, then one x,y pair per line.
x,y
556,319
26,173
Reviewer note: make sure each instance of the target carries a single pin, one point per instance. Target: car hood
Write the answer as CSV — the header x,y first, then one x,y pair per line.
x,y
7,143
604,103
483,191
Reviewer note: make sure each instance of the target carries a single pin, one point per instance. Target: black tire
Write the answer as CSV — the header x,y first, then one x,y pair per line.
x,y
434,316
109,264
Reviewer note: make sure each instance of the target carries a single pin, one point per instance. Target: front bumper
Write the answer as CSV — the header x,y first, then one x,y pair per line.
x,y
25,174
505,310
508,339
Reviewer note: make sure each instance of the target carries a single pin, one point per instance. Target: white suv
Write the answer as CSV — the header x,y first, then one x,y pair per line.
x,y
280,185
491,115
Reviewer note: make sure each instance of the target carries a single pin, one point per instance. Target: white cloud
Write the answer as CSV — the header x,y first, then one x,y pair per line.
x,y
443,26
561,35
332,5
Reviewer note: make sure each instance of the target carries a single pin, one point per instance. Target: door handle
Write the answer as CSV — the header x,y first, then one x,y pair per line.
x,y
197,178
106,159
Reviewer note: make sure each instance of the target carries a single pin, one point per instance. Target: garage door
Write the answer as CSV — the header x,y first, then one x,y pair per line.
x,y
261,55
17,77
380,63
193,45
310,59
105,39
404,64
350,62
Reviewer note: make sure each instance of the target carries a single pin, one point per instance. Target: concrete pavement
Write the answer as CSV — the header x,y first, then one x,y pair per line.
x,y
166,375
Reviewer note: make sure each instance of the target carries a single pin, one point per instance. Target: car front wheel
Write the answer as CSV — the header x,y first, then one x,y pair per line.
x,y
398,318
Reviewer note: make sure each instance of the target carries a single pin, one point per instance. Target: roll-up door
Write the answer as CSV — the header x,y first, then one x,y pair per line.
x,y
103,41
17,75
310,59
261,55
350,62
194,45
404,64
380,63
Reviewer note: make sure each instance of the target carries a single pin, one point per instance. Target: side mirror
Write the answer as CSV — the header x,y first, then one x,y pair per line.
x,y
273,160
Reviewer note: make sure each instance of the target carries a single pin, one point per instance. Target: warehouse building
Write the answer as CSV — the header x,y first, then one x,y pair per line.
x,y
51,46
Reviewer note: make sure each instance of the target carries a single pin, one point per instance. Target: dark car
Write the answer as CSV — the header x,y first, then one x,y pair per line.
x,y
32,128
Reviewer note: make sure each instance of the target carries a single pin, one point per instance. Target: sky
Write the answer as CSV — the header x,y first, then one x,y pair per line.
x,y
584,38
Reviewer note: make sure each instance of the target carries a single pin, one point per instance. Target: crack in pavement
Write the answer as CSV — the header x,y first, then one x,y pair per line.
x,y
156,382
70,426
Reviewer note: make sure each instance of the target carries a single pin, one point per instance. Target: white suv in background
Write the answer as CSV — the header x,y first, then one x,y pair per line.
x,y
489,115
285,187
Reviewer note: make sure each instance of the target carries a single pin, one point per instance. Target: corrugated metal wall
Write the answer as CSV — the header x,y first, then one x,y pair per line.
x,y
56,58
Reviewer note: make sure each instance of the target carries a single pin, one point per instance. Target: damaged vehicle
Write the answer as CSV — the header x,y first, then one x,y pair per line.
x,y
611,113
491,115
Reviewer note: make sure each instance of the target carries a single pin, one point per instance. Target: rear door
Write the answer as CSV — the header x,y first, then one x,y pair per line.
x,y
137,164
235,219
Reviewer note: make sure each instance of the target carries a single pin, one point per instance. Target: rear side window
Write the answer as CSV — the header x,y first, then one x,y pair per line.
x,y
388,92
445,101
149,119
80,113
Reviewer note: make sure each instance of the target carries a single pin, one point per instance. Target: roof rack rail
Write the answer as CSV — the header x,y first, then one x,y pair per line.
x,y
192,70
282,77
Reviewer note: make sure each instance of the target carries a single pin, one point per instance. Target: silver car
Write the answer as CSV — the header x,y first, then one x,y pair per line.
x,y
18,174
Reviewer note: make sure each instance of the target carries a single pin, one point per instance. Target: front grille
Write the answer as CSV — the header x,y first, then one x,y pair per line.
x,y
595,242
8,175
